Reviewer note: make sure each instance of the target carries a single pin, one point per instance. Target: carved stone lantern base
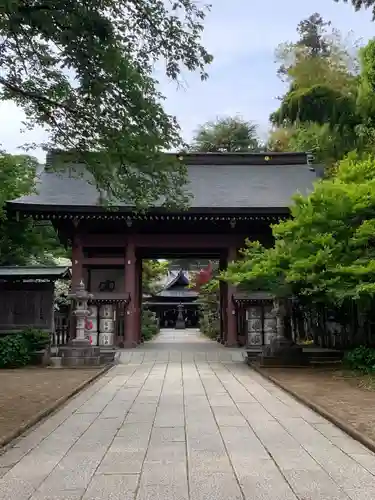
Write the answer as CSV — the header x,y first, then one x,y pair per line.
x,y
79,353
180,324
283,352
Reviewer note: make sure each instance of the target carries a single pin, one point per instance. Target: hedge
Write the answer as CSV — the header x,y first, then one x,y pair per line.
x,y
16,349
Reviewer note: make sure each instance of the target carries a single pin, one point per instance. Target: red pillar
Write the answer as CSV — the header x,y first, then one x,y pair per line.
x,y
77,276
231,326
77,258
131,288
138,303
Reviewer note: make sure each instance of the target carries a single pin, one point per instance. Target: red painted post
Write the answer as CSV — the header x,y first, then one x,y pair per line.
x,y
231,330
130,287
77,276
77,262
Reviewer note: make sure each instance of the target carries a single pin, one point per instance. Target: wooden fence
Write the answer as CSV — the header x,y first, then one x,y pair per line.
x,y
61,333
341,328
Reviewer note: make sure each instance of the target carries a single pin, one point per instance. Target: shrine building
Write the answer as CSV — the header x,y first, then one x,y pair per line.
x,y
174,294
235,196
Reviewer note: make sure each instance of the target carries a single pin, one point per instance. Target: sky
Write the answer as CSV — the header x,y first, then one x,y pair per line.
x,y
242,35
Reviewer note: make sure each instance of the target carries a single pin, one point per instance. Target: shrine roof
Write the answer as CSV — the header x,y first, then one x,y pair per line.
x,y
177,286
8,273
220,182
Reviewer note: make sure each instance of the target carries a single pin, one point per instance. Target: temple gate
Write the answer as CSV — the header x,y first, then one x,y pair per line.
x,y
235,196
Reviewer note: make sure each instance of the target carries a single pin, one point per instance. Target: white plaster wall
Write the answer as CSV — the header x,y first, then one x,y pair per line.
x,y
116,275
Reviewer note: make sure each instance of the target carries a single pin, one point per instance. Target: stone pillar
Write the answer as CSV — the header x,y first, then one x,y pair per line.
x,y
80,297
79,352
231,329
180,322
130,321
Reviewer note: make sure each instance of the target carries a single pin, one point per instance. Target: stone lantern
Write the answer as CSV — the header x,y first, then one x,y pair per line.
x,y
79,352
180,322
80,297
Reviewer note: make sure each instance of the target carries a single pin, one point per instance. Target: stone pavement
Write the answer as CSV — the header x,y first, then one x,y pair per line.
x,y
184,418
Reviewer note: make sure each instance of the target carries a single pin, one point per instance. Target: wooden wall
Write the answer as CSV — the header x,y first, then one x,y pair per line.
x,y
24,305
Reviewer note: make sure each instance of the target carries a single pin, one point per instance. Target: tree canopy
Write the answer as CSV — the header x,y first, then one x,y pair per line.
x,y
329,106
325,252
23,242
83,70
361,4
231,135
152,272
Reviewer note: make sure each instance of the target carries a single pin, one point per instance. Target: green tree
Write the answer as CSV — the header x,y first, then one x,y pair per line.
x,y
83,70
312,35
231,135
325,252
24,241
320,111
361,4
312,42
321,71
152,272
327,144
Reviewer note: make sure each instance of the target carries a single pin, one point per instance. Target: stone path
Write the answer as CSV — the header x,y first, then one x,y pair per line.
x,y
184,418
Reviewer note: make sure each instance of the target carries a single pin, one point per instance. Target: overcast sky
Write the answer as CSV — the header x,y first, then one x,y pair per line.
x,y
242,35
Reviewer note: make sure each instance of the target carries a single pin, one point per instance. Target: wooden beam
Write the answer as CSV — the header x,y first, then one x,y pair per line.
x,y
170,241
103,261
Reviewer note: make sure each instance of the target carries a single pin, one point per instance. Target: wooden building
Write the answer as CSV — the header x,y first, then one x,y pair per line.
x,y
174,295
234,196
27,296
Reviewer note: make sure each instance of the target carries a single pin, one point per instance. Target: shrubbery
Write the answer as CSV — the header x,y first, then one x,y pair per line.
x,y
150,325
16,349
362,358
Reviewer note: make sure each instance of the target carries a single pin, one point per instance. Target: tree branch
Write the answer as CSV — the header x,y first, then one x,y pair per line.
x,y
35,96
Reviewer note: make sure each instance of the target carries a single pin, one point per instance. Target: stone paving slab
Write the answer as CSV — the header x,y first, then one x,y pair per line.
x,y
189,423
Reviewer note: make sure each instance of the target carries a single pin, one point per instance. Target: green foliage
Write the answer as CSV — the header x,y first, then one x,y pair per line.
x,y
24,241
361,359
361,4
84,71
366,88
317,104
150,325
14,351
230,135
324,109
325,253
152,272
328,144
36,340
209,307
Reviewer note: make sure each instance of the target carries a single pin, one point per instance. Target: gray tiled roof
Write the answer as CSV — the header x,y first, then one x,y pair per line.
x,y
179,292
26,272
212,186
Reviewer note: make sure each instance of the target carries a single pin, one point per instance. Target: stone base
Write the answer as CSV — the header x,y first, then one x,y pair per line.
x,y
180,325
273,362
40,358
129,344
55,362
79,353
283,352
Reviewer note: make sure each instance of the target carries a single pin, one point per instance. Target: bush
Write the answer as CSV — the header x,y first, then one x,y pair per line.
x,y
209,325
150,325
362,358
14,351
36,339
